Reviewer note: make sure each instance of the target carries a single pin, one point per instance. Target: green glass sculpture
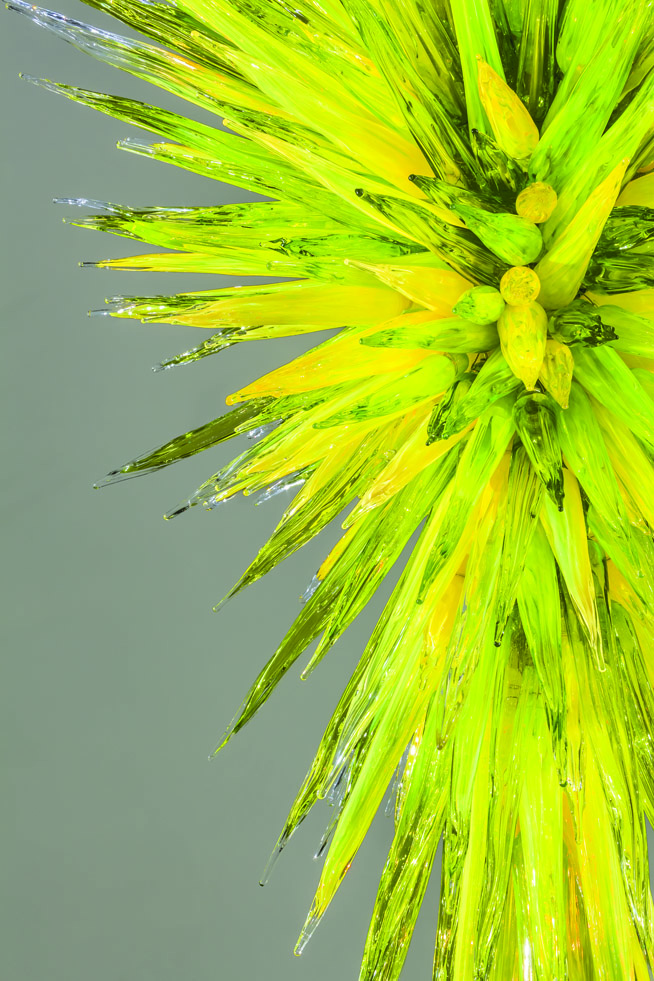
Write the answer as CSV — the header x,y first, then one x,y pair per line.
x,y
463,191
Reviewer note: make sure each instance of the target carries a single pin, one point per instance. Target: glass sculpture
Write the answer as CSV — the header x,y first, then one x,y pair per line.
x,y
463,190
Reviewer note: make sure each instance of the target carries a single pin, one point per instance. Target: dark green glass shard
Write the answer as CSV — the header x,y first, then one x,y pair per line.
x,y
581,322
437,424
239,420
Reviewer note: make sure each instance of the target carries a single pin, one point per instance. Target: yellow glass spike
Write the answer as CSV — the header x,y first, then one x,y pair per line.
x,y
337,551
563,266
519,285
513,128
437,289
413,457
639,193
556,371
341,362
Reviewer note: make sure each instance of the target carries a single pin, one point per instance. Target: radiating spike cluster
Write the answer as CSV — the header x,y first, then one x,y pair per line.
x,y
461,190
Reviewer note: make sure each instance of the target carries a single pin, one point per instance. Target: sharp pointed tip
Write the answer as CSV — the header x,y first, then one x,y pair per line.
x,y
110,478
169,515
226,598
272,861
308,931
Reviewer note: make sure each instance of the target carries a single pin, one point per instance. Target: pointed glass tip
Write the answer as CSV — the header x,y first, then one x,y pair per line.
x,y
226,598
175,512
272,861
226,736
113,477
99,313
308,931
91,203
42,83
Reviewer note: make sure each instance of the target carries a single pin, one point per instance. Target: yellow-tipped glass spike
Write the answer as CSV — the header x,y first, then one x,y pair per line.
x,y
461,193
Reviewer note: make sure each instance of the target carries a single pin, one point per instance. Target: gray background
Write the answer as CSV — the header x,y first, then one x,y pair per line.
x,y
131,857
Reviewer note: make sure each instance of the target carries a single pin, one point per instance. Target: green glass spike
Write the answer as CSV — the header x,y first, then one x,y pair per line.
x,y
540,614
476,37
523,504
500,174
427,381
536,75
242,419
600,62
447,334
493,381
584,452
629,227
456,246
633,334
535,422
479,460
606,377
437,424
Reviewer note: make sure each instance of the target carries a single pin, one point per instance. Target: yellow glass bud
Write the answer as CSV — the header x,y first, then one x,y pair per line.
x,y
519,285
523,336
536,202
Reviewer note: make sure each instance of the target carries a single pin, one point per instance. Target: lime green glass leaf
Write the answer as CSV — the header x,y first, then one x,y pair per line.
x,y
462,193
